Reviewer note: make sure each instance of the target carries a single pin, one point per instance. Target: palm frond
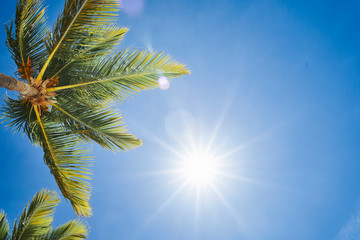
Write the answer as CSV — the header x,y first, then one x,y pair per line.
x,y
69,162
98,45
4,226
124,73
98,123
27,39
63,151
19,116
72,230
37,217
79,19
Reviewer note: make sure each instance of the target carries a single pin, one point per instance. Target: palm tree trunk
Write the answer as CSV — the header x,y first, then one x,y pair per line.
x,y
12,84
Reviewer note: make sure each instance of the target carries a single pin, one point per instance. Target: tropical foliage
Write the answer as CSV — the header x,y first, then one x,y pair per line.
x,y
80,73
36,219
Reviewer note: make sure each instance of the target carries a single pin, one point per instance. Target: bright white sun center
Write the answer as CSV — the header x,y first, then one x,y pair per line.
x,y
199,169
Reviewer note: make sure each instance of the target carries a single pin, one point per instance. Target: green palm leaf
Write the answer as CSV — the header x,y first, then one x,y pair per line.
x,y
73,230
98,123
37,217
97,46
4,226
79,19
16,114
27,40
19,116
68,161
64,154
123,74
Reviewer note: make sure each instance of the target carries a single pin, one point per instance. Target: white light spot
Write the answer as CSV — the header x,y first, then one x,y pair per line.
x,y
163,83
200,169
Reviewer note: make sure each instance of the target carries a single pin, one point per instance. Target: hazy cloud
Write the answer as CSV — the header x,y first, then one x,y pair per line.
x,y
351,231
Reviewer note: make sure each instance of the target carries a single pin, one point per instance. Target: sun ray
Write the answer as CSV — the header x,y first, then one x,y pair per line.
x,y
226,204
220,121
242,179
159,210
162,143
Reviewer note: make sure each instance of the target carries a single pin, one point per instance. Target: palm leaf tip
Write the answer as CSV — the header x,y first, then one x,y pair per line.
x,y
37,217
69,162
4,226
72,230
70,169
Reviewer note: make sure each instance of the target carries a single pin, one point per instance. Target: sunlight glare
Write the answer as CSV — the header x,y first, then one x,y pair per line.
x,y
199,169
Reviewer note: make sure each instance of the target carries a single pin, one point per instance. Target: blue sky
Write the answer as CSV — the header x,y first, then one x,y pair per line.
x,y
273,94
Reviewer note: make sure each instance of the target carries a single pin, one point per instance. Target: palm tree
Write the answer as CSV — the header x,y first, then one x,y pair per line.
x,y
35,222
69,76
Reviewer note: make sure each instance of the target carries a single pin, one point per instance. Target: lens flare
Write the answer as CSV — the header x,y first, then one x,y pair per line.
x,y
163,83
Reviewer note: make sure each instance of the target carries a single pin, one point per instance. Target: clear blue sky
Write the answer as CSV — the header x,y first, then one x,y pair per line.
x,y
274,92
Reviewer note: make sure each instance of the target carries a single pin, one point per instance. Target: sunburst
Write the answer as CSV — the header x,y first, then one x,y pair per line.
x,y
199,168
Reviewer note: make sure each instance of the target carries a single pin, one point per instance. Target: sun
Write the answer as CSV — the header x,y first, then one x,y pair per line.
x,y
199,168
